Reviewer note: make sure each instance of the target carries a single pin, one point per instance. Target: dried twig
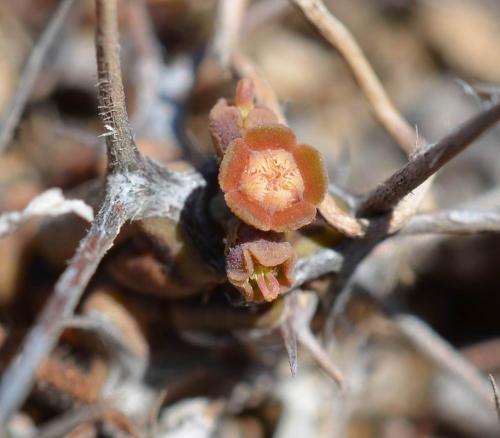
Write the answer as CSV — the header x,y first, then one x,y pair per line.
x,y
229,18
123,154
384,110
33,65
288,331
304,312
260,13
325,261
453,222
426,162
135,188
147,69
18,378
49,203
443,354
341,38
161,90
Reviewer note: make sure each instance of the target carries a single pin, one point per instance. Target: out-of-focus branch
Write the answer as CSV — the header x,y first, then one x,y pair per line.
x,y
260,13
228,26
495,394
30,72
49,203
123,154
425,163
302,313
453,222
147,69
228,31
341,38
443,354
18,378
64,424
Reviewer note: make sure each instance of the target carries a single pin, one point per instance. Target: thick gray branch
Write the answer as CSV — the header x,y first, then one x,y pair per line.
x,y
426,162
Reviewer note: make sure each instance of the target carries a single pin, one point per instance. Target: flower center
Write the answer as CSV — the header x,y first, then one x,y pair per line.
x,y
273,179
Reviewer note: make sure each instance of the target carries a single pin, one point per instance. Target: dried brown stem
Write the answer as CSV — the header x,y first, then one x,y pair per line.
x,y
123,154
382,107
341,38
30,72
425,163
301,313
309,341
443,354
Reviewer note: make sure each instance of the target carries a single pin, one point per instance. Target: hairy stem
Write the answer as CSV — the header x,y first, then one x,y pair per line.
x,y
123,154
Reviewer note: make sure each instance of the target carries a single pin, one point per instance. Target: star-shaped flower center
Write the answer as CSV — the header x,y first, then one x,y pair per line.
x,y
272,178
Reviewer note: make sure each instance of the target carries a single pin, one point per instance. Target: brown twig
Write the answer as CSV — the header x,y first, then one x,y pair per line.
x,y
425,163
30,72
123,154
382,107
341,38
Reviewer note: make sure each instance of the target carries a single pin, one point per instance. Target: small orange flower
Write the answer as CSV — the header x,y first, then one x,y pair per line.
x,y
260,264
269,181
228,120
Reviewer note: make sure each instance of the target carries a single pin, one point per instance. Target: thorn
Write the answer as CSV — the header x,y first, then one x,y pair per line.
x,y
290,341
